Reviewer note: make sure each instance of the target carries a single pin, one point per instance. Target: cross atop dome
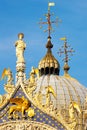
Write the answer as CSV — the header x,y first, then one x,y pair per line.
x,y
49,65
66,52
49,22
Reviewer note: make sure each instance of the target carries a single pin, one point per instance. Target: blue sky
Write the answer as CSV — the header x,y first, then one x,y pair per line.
x,y
23,16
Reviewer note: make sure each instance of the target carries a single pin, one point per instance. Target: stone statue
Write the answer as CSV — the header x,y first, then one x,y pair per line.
x,y
20,47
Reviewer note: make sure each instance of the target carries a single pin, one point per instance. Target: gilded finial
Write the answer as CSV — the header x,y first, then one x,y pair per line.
x,y
20,36
49,22
66,52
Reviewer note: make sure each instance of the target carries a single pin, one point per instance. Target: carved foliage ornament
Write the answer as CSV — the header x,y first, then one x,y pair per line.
x,y
25,126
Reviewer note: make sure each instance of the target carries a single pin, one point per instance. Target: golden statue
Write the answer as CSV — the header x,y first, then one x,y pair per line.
x,y
73,108
8,86
7,73
49,90
21,105
32,81
32,77
35,71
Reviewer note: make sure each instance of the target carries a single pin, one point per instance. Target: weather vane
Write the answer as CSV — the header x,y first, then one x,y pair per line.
x,y
49,22
65,50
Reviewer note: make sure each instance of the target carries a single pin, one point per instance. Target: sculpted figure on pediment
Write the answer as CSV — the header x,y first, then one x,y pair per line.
x,y
20,47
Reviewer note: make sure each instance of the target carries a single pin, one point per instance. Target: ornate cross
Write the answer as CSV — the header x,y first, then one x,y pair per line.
x,y
49,22
65,50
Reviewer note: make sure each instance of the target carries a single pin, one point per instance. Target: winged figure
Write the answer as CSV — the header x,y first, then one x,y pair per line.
x,y
7,73
76,106
72,108
35,71
51,90
20,105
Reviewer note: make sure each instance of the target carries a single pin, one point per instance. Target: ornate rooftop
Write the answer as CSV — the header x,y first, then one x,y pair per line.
x,y
46,100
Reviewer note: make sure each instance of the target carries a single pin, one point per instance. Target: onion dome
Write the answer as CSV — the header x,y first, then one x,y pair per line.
x,y
49,64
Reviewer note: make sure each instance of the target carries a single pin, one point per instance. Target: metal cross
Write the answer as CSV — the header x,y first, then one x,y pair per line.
x,y
65,51
49,22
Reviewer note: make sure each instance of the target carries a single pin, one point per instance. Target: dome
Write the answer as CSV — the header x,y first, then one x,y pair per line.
x,y
60,90
66,88
49,64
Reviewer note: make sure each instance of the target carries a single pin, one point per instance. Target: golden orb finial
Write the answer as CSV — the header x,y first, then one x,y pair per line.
x,y
20,36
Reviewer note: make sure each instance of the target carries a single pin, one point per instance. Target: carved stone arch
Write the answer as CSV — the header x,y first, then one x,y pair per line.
x,y
30,127
25,125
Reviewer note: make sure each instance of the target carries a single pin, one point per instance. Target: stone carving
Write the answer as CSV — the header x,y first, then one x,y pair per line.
x,y
4,98
31,82
21,105
25,125
38,98
46,95
32,78
9,88
20,47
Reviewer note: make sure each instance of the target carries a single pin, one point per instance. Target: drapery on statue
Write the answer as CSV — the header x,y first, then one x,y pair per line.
x,y
20,47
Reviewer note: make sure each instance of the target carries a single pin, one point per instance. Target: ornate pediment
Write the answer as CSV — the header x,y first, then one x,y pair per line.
x,y
20,108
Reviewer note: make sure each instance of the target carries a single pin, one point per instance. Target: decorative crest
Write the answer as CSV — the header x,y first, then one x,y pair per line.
x,y
49,22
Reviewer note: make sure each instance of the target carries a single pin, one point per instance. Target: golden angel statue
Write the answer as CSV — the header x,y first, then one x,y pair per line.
x,y
7,73
49,90
73,108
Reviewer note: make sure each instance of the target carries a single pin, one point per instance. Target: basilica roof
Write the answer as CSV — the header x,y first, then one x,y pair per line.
x,y
66,88
45,100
